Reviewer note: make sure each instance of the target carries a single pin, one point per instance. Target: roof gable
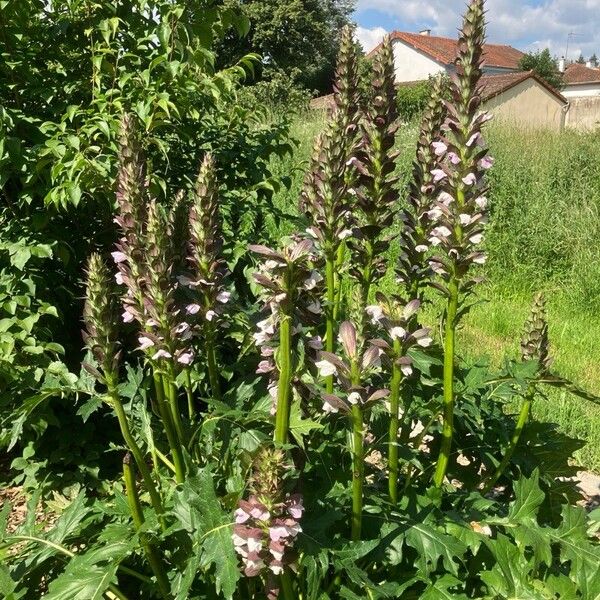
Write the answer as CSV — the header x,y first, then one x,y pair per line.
x,y
577,74
444,50
494,85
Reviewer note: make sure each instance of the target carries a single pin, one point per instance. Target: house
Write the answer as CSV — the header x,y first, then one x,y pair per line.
x,y
582,89
525,99
419,56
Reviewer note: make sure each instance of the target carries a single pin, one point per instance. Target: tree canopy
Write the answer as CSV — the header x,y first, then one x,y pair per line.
x,y
544,65
298,37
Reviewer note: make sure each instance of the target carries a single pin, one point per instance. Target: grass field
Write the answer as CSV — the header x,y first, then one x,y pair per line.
x,y
544,234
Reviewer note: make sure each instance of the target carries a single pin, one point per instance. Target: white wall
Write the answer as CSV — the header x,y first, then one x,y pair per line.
x,y
581,91
412,65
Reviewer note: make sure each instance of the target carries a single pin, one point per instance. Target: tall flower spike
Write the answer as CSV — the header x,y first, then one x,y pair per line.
x,y
376,162
179,226
459,212
534,343
345,87
100,317
412,269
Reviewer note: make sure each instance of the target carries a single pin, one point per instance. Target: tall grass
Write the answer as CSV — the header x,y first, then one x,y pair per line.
x,y
544,234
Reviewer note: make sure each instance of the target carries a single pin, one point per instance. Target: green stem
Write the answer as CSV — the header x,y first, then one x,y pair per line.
x,y
358,471
189,392
282,417
330,308
135,450
523,418
165,414
211,363
138,520
449,349
170,389
286,586
339,263
395,384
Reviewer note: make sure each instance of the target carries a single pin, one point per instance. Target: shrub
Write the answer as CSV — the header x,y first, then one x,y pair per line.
x,y
275,462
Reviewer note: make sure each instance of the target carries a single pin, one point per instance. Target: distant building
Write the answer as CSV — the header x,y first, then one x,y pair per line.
x,y
582,90
419,56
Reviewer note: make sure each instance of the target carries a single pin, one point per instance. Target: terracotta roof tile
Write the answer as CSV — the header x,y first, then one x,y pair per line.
x,y
444,50
576,73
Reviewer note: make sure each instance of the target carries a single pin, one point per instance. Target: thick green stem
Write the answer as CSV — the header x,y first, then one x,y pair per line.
x,y
330,308
339,263
448,426
170,389
286,586
165,414
523,418
137,514
211,363
282,417
189,392
135,450
395,384
358,471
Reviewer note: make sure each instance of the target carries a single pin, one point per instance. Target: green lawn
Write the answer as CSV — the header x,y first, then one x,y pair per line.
x,y
544,234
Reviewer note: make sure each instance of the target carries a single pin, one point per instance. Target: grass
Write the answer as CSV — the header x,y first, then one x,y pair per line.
x,y
544,234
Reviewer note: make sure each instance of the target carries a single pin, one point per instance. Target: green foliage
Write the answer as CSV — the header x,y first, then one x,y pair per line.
x,y
544,65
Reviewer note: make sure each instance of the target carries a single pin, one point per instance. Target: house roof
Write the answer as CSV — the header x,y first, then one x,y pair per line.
x,y
494,85
577,74
444,50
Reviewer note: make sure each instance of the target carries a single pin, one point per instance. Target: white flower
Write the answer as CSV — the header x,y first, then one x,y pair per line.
x,y
406,370
445,198
435,213
276,568
465,219
469,179
271,264
182,327
487,162
312,281
267,326
161,354
480,259
439,148
421,248
119,278
454,158
326,368
145,342
329,408
476,239
316,343
186,358
375,312
314,307
223,297
354,398
210,315
438,175
345,233
311,231
192,309
397,333
119,257
481,202
127,317
424,341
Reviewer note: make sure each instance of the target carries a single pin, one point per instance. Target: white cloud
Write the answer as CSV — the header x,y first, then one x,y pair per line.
x,y
529,27
369,38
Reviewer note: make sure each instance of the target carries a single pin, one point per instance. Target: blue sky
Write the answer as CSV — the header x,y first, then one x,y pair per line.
x,y
526,24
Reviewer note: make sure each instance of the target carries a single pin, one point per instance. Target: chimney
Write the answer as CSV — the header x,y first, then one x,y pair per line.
x,y
588,64
425,32
561,65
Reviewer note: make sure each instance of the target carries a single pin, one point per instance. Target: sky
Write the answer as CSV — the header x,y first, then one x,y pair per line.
x,y
528,25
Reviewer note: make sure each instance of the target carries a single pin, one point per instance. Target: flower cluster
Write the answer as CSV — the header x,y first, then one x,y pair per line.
x,y
413,269
350,372
100,318
376,193
534,343
459,213
397,320
206,242
291,290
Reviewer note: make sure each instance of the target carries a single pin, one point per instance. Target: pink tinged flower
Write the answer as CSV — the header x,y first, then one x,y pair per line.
x,y
145,342
481,202
265,366
406,370
314,307
469,179
241,516
437,267
272,389
279,532
421,248
182,327
161,354
445,198
223,297
210,315
435,213
354,398
410,309
316,343
345,233
119,257
127,317
295,507
476,239
397,333
424,341
454,158
267,326
474,139
465,219
260,512
487,162
375,312
186,358
119,278
326,368
480,259
439,148
438,175
193,309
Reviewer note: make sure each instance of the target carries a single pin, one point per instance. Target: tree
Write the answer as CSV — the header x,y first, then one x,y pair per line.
x,y
594,60
298,37
581,59
544,65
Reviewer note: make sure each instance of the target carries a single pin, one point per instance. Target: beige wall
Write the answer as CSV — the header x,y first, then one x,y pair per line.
x,y
412,65
584,113
528,104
